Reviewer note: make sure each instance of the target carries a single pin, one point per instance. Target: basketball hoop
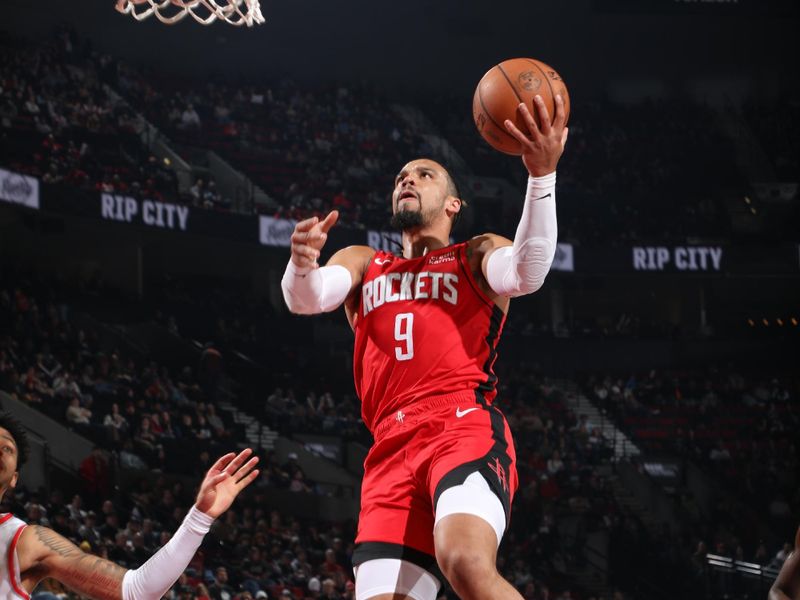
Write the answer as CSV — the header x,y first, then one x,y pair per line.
x,y
204,12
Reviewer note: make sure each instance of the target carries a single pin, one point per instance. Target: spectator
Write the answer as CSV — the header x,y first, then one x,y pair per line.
x,y
220,590
190,119
77,414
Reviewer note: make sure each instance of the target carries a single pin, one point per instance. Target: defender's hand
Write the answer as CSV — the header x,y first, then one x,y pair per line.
x,y
541,146
308,239
223,482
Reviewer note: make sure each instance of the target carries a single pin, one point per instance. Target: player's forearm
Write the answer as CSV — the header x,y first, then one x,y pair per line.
x,y
313,291
152,580
521,269
96,578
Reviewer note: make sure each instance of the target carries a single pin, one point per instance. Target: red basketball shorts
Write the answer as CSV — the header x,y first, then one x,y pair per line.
x,y
418,453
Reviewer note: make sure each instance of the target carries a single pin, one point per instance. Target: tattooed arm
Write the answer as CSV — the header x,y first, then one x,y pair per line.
x,y
44,553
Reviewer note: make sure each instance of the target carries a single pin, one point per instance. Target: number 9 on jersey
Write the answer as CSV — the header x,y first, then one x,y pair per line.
x,y
404,334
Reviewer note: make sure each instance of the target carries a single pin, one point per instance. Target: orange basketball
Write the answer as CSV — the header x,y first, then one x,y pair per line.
x,y
501,90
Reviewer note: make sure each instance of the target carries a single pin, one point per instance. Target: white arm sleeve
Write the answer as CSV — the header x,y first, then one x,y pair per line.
x,y
520,269
152,580
313,291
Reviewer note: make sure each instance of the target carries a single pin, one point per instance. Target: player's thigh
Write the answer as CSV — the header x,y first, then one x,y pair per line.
x,y
469,525
474,499
394,579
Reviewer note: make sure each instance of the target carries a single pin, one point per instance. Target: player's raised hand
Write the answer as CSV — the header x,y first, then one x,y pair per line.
x,y
308,239
541,145
224,480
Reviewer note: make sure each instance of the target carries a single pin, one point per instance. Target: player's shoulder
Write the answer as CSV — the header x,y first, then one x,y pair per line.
x,y
355,253
353,258
484,242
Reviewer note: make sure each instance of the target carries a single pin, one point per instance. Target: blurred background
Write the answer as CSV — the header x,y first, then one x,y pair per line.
x,y
150,177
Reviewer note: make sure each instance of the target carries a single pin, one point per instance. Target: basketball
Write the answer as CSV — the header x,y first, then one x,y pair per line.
x,y
501,90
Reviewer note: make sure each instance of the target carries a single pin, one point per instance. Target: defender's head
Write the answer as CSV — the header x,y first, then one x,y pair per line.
x,y
13,451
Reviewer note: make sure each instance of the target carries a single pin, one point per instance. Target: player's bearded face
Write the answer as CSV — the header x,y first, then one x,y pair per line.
x,y
417,201
411,215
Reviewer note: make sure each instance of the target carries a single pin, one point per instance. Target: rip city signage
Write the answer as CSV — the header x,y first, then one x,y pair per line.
x,y
275,232
151,213
702,259
19,189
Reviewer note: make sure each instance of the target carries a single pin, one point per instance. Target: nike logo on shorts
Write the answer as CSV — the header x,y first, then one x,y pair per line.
x,y
460,413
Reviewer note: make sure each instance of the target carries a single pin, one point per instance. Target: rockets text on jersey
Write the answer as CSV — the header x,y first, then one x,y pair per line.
x,y
423,329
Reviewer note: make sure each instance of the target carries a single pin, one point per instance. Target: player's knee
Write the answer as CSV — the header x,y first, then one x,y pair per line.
x,y
467,569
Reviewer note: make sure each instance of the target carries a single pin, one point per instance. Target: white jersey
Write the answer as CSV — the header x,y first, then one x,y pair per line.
x,y
10,585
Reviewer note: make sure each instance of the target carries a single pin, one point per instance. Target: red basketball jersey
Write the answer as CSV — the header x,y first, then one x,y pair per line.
x,y
423,329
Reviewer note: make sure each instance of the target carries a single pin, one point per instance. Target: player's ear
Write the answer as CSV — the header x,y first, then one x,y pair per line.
x,y
13,483
453,205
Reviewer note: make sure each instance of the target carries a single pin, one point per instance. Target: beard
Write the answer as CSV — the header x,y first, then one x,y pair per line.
x,y
406,219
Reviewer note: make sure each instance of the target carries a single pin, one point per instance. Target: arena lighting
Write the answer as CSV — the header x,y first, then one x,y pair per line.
x,y
751,322
725,563
765,321
779,322
167,161
719,561
747,200
794,321
753,209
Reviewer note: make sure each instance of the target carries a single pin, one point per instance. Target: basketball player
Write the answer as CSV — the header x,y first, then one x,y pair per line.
x,y
32,553
440,477
787,584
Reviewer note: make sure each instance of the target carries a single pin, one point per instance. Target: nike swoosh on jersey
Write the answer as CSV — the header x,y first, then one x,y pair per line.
x,y
380,262
460,413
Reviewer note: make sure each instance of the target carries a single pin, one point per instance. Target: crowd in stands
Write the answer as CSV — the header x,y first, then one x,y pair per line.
x,y
311,149
59,122
658,169
140,410
740,429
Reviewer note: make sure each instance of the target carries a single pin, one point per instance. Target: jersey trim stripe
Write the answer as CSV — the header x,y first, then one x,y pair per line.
x,y
499,449
12,573
498,479
5,518
495,323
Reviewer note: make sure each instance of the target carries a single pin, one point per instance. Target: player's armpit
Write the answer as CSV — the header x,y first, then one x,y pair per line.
x,y
356,260
44,553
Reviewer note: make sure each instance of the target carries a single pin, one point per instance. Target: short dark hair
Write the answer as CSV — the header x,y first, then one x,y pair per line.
x,y
19,434
453,190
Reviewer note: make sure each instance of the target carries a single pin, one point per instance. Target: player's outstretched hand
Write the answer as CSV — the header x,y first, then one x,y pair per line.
x,y
541,146
308,239
223,482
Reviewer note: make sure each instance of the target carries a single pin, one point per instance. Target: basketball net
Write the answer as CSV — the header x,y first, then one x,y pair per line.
x,y
205,12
